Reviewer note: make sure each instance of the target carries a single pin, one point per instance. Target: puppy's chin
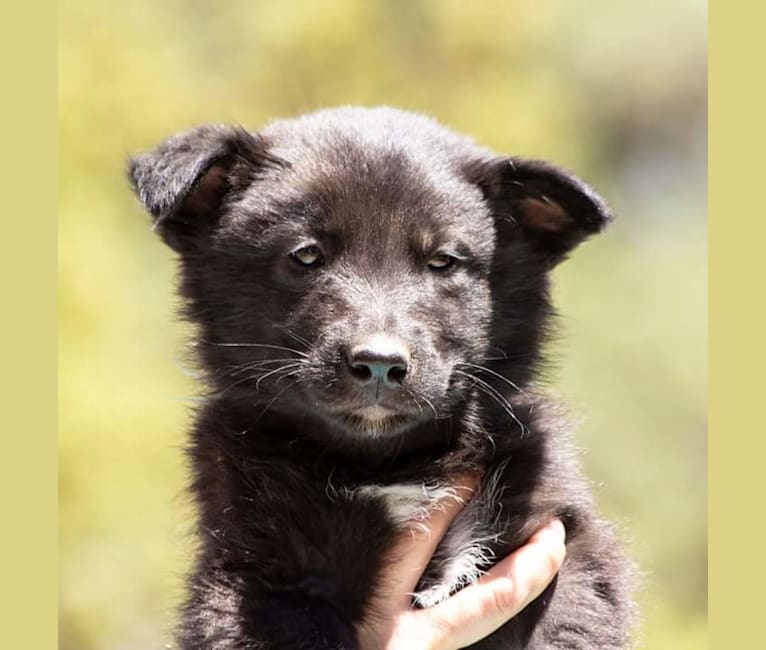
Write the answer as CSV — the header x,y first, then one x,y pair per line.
x,y
371,421
376,420
374,414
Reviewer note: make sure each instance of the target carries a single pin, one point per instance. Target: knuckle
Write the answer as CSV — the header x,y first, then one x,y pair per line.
x,y
443,630
502,599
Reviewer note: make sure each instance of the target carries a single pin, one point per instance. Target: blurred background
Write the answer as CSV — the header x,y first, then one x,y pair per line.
x,y
613,90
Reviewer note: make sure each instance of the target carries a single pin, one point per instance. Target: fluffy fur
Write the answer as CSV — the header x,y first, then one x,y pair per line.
x,y
298,245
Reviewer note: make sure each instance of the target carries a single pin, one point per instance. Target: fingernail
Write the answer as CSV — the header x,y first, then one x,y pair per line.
x,y
556,529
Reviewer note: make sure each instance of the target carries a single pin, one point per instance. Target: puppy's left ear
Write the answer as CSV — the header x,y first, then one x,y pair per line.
x,y
552,210
184,182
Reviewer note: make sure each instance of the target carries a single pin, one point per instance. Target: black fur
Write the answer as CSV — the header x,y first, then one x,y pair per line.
x,y
294,539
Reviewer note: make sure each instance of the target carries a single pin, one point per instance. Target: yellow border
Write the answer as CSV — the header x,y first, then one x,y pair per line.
x,y
27,281
738,324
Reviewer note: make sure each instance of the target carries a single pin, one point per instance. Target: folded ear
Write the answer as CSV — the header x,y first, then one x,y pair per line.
x,y
183,182
551,209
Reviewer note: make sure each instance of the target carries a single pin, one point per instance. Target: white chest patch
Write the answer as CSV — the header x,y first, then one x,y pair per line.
x,y
409,502
466,548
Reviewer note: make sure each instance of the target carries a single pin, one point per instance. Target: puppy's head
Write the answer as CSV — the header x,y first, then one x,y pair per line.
x,y
362,267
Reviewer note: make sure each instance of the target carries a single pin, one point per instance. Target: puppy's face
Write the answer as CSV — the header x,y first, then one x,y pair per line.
x,y
339,273
372,271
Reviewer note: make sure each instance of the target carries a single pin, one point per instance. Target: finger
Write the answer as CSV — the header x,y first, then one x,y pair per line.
x,y
481,608
416,544
411,554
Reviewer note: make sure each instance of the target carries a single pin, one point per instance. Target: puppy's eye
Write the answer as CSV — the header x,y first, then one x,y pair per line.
x,y
309,256
441,262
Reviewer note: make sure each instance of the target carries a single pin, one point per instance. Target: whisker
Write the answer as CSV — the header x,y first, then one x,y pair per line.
x,y
259,376
292,335
496,374
496,395
276,371
268,346
430,404
239,369
275,398
286,375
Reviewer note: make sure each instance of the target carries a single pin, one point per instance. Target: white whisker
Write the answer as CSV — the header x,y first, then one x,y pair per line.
x,y
496,395
268,346
496,374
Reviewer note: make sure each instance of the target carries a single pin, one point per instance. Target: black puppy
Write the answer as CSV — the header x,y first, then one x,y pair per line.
x,y
371,292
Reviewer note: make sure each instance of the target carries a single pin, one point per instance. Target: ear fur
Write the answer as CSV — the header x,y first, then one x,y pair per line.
x,y
549,207
183,182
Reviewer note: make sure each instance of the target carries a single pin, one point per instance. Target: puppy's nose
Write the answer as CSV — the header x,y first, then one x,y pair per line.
x,y
378,360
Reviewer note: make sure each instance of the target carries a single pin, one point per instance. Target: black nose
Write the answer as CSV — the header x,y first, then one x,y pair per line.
x,y
378,360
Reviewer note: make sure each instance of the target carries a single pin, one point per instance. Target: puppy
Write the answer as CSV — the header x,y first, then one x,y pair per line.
x,y
371,293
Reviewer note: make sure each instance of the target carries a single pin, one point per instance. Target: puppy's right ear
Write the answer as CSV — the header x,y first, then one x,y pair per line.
x,y
185,180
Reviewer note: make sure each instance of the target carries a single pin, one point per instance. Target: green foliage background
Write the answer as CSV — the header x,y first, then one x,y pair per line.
x,y
614,90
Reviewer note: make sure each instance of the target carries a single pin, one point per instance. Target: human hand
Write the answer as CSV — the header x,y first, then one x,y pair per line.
x,y
474,612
